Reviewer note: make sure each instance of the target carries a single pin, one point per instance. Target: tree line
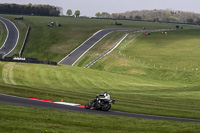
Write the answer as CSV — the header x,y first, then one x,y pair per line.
x,y
38,10
155,15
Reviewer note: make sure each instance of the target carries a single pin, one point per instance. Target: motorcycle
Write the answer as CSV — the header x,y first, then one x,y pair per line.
x,y
100,104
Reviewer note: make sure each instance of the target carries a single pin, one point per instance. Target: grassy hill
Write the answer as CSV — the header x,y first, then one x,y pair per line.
x,y
153,75
172,57
54,43
79,85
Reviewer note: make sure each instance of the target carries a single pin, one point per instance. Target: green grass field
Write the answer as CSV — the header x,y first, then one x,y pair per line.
x,y
36,120
155,74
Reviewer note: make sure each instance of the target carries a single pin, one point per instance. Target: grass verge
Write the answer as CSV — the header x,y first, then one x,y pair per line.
x,y
105,44
29,119
3,34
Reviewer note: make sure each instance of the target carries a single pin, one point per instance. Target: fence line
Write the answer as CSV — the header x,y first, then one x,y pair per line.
x,y
150,63
161,66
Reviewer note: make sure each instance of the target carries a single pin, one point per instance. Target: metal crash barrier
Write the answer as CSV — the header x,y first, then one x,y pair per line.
x,y
27,60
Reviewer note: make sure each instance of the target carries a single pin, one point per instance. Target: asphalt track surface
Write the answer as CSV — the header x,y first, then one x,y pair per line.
x,y
75,55
12,36
7,99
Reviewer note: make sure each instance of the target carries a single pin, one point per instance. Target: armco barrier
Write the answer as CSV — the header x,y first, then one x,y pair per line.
x,y
25,41
27,60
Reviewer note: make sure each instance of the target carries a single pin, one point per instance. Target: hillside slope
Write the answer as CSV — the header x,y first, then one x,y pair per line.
x,y
79,85
54,43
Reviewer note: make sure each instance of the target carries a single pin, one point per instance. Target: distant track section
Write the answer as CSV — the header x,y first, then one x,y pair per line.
x,y
12,37
75,55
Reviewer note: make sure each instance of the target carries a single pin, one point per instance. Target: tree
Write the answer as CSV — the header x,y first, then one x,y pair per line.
x,y
77,13
41,10
105,15
131,17
190,20
197,21
138,18
98,15
114,15
53,12
30,4
69,12
156,19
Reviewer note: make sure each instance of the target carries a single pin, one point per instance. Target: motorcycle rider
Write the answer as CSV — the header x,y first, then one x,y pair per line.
x,y
106,96
98,100
99,103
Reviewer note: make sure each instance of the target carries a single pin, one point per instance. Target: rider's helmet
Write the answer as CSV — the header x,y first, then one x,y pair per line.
x,y
105,93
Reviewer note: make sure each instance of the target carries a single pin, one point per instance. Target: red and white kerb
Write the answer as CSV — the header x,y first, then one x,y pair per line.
x,y
63,103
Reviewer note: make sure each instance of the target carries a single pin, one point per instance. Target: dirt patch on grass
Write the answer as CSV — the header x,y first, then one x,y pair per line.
x,y
95,54
123,62
8,74
137,72
20,24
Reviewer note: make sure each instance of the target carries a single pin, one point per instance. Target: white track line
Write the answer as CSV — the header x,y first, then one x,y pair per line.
x,y
91,47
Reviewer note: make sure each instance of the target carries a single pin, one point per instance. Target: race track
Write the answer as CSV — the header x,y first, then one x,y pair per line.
x,y
12,37
75,55
41,104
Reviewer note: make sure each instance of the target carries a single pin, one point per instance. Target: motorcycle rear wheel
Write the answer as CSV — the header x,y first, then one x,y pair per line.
x,y
88,106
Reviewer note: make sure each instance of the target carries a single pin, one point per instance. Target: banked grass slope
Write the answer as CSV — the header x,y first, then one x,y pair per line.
x,y
171,57
79,85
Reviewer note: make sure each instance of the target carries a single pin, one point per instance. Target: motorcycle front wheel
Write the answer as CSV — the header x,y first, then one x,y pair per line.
x,y
106,107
